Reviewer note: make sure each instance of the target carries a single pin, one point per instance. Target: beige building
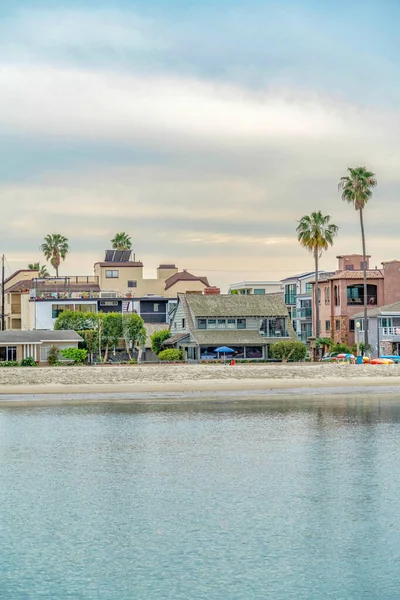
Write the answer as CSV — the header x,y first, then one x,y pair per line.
x,y
17,345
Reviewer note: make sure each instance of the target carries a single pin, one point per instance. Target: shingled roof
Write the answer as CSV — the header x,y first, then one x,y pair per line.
x,y
371,274
375,312
237,305
184,276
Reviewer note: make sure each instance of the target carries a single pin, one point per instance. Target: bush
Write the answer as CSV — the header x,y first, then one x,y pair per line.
x,y
171,355
133,361
76,355
28,362
9,363
52,357
289,350
158,338
341,349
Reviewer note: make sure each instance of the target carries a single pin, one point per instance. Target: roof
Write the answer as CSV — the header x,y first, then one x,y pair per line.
x,y
115,265
374,312
38,336
371,274
45,287
152,328
236,305
229,337
184,276
175,338
20,286
20,271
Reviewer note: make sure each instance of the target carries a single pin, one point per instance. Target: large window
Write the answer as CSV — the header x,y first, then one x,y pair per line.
x,y
259,291
112,274
8,353
212,324
308,288
85,308
336,295
231,323
355,294
241,323
290,293
57,309
202,324
274,327
221,323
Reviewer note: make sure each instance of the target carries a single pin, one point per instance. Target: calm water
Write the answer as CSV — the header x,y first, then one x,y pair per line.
x,y
193,502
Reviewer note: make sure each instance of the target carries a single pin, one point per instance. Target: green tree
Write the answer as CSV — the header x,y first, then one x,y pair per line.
x,y
323,343
43,272
55,248
316,233
289,349
121,241
111,331
356,189
76,355
340,348
133,331
77,321
158,338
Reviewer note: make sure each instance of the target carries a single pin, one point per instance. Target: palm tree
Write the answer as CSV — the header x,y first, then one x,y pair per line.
x,y
316,233
121,241
43,272
55,248
356,189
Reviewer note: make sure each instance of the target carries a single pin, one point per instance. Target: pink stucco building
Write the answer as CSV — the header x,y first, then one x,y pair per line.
x,y
341,295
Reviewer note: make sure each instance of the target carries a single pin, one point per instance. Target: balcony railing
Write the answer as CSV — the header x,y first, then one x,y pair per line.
x,y
274,334
154,317
87,295
371,300
389,331
304,313
290,299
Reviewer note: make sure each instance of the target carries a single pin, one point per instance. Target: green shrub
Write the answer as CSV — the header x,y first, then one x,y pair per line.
x,y
76,355
52,357
133,361
9,363
289,350
158,338
28,362
341,349
171,355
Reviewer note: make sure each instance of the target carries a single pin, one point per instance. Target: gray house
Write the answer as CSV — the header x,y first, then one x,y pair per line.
x,y
17,345
248,324
383,329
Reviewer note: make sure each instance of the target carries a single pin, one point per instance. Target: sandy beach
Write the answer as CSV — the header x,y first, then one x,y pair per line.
x,y
192,378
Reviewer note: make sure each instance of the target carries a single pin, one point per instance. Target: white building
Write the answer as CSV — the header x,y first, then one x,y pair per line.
x,y
256,287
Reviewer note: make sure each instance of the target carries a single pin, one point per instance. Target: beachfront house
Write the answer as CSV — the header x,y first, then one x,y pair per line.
x,y
17,345
248,324
383,329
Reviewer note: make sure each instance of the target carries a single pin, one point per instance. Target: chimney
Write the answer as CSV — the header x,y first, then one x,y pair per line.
x,y
212,290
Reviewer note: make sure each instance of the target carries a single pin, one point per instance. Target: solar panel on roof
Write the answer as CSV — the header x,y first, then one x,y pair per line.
x,y
126,254
109,255
117,256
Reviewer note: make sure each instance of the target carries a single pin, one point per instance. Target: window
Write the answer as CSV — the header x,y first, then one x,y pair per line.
x,y
327,325
308,288
319,296
183,323
290,293
386,322
221,323
351,325
86,307
241,323
111,274
212,323
362,324
259,291
336,294
362,265
327,293
156,307
8,353
202,323
231,323
349,267
57,309
131,283
337,325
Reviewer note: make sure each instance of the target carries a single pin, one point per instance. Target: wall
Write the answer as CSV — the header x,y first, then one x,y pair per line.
x,y
176,325
351,259
391,272
42,312
182,287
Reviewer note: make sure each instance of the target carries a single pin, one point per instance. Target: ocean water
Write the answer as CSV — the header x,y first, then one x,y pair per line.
x,y
286,499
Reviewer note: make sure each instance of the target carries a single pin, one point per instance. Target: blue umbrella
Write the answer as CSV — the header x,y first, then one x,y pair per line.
x,y
224,349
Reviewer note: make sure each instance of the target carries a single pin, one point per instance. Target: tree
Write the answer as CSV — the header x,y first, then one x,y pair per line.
x,y
323,343
111,331
43,272
121,241
133,331
356,189
55,248
286,350
77,321
158,338
316,233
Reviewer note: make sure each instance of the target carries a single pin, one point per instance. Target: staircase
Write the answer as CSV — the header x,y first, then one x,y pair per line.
x,y
126,308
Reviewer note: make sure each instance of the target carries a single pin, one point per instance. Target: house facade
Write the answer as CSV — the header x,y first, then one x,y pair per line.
x,y
248,324
341,295
17,345
383,329
255,287
298,292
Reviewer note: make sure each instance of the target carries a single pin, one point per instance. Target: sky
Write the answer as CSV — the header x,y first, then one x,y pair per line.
x,y
205,129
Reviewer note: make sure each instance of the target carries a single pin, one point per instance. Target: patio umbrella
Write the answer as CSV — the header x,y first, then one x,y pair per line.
x,y
224,350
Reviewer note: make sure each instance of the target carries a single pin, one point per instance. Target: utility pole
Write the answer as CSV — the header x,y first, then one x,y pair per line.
x,y
2,295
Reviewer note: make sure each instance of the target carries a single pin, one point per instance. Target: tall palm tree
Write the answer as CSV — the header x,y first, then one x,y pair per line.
x,y
43,272
356,189
316,233
55,248
121,241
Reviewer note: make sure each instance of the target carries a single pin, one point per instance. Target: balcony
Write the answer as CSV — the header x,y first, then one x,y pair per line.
x,y
371,301
389,333
275,334
304,313
290,299
154,317
81,295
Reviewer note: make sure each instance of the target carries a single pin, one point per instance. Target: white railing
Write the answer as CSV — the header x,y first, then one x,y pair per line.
x,y
390,331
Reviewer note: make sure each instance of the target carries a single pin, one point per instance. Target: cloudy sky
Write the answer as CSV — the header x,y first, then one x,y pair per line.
x,y
204,128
